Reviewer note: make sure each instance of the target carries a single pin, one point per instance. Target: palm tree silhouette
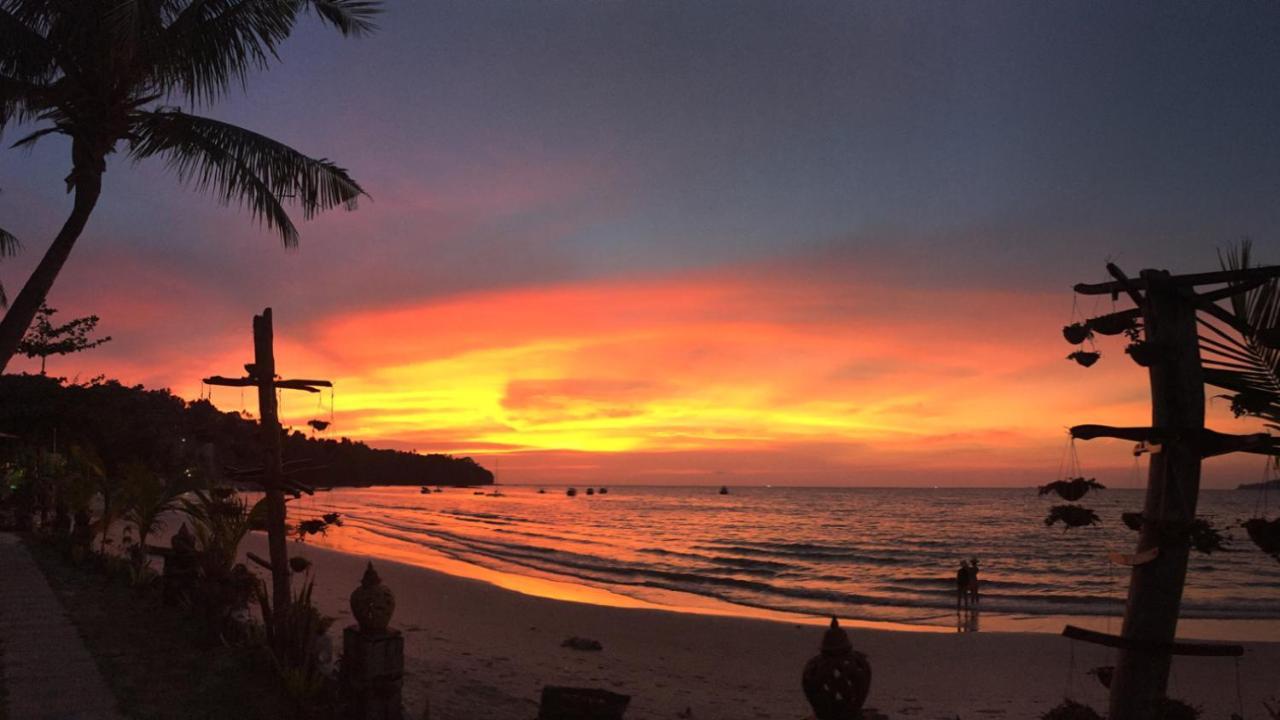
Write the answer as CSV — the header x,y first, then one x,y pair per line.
x,y
97,71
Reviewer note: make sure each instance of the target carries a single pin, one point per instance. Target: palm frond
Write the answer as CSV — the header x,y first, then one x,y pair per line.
x,y
27,141
350,17
20,100
1247,366
25,52
242,166
211,45
9,245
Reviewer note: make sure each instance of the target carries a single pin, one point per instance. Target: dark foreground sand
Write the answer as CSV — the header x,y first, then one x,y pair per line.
x,y
475,650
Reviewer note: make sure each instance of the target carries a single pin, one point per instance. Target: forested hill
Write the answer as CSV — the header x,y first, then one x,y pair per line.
x,y
130,425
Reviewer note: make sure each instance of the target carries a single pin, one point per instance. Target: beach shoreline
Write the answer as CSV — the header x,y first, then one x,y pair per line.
x,y
475,649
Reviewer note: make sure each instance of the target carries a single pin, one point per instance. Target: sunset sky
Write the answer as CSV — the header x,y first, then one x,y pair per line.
x,y
672,241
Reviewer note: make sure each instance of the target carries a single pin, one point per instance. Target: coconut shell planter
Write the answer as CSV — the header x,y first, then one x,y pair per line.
x,y
1071,516
1147,353
1084,358
1072,489
1265,534
1076,333
836,680
1115,324
1132,520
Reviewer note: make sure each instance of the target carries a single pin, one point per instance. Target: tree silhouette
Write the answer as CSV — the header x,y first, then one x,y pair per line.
x,y
45,339
97,71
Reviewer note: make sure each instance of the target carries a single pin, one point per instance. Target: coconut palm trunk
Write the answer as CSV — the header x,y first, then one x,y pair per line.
x,y
24,307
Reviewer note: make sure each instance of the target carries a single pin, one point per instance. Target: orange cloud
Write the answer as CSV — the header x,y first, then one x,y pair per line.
x,y
752,363
764,374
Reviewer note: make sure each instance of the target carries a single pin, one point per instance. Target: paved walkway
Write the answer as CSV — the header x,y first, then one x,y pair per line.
x,y
47,670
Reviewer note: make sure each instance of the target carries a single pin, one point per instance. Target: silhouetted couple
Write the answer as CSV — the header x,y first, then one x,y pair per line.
x,y
967,584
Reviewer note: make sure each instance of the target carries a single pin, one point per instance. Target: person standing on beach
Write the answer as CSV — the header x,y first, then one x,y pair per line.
x,y
962,585
973,581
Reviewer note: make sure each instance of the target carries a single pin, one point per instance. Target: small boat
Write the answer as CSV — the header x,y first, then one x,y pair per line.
x,y
591,491
542,491
603,491
426,490
439,489
724,490
571,492
478,492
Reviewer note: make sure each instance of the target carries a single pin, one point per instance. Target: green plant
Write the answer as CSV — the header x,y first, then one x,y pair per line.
x,y
220,520
146,499
294,644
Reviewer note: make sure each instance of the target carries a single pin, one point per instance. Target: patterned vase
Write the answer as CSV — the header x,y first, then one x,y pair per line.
x,y
837,679
372,603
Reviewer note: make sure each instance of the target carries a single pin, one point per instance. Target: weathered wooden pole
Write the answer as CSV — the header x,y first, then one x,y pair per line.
x,y
1173,485
264,373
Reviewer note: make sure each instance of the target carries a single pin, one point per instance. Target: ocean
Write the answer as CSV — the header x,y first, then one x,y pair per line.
x,y
875,554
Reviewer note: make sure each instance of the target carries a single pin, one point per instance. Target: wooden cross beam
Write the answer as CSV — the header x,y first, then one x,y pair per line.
x,y
1211,278
1124,281
251,381
1209,442
1173,648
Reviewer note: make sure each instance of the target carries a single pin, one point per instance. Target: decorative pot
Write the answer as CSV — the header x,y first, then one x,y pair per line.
x,y
1084,358
836,680
372,603
1147,353
1076,333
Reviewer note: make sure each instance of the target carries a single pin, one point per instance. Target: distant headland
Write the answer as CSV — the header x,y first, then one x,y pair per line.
x,y
1268,485
122,426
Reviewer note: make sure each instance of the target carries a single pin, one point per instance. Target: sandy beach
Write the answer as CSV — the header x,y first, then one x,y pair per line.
x,y
476,650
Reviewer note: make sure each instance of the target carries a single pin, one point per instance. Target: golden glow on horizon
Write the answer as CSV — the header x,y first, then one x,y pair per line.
x,y
763,375
717,364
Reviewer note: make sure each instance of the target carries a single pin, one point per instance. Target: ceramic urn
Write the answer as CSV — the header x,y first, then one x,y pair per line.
x,y
373,603
837,679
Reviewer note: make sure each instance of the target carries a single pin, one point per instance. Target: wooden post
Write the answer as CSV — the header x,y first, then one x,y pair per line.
x,y
264,373
271,476
1173,485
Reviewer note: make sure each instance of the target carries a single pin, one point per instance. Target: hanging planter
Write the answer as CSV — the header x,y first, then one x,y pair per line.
x,y
1113,324
1076,333
1200,534
1251,403
319,425
1071,710
318,526
1205,538
1265,534
1132,520
1071,516
1072,489
1147,353
1084,358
